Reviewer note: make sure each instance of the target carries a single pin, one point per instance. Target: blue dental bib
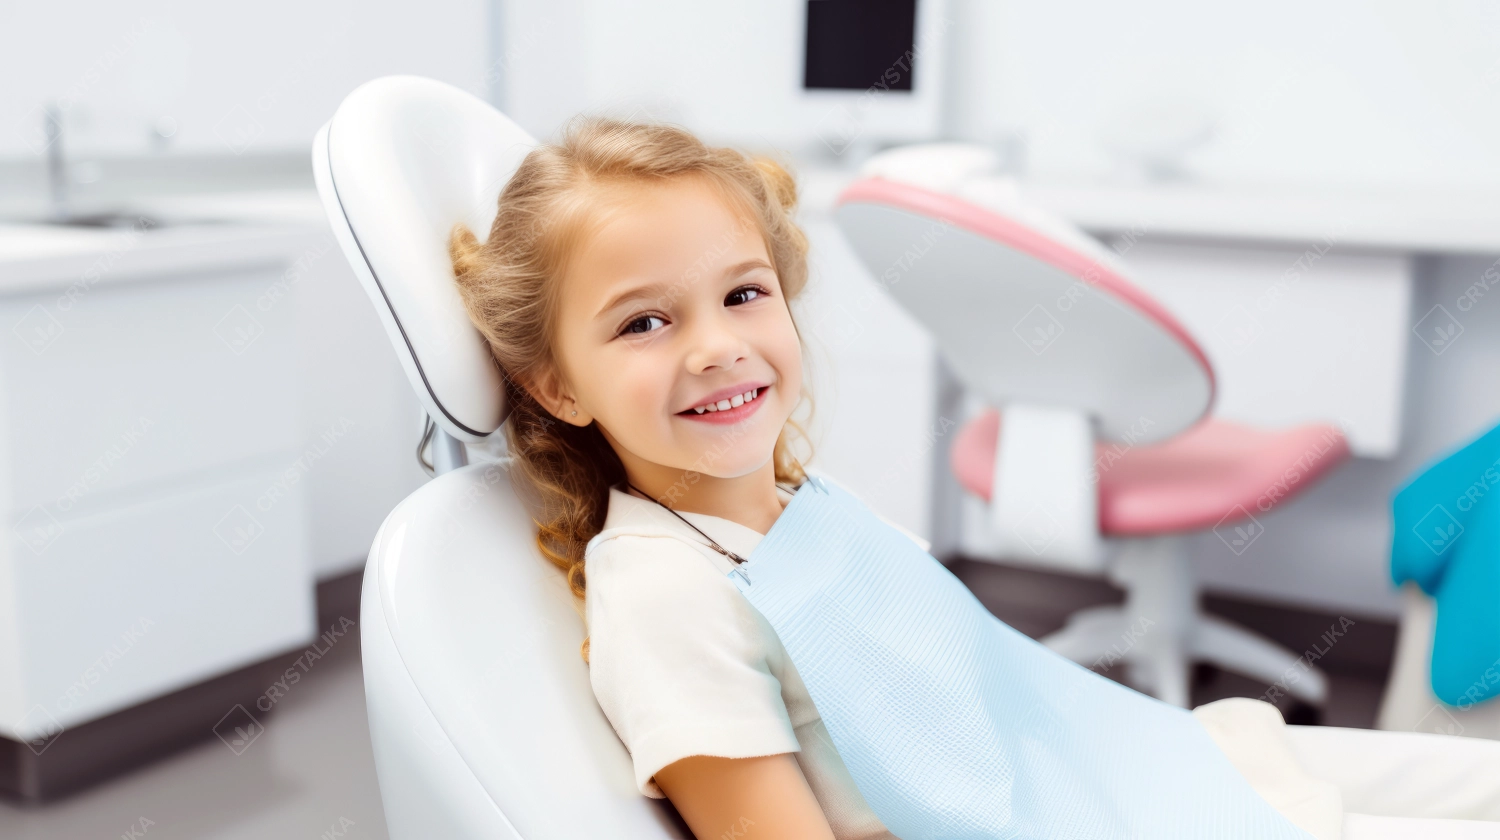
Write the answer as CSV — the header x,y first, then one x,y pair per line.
x,y
954,725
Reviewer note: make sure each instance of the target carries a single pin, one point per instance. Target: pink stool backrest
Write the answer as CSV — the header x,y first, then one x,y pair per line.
x,y
1028,309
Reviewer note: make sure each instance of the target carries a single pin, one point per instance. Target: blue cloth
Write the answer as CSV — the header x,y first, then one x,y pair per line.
x,y
1446,537
954,725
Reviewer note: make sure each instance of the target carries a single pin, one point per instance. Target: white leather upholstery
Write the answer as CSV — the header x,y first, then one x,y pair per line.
x,y
401,161
481,715
941,167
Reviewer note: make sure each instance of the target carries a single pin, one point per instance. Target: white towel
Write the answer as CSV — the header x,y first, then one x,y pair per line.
x,y
1253,735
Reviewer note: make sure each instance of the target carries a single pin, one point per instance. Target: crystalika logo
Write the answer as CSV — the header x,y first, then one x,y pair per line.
x,y
1238,529
1438,530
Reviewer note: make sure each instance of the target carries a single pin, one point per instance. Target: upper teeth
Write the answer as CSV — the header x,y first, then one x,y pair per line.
x,y
733,402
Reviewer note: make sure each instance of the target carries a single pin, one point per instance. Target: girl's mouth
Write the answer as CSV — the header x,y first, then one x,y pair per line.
x,y
727,411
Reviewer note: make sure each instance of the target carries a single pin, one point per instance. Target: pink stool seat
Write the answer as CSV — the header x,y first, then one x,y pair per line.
x,y
1214,470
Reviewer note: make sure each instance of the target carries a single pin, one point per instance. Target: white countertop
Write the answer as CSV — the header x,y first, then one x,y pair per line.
x,y
236,229
261,225
1405,221
1408,221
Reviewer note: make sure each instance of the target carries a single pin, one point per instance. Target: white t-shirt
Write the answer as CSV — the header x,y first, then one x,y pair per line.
x,y
682,664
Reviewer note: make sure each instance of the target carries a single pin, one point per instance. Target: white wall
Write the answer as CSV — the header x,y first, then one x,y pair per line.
x,y
730,70
1345,91
227,77
1363,93
359,415
873,385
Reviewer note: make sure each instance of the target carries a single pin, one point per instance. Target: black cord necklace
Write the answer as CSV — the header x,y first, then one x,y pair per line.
x,y
716,547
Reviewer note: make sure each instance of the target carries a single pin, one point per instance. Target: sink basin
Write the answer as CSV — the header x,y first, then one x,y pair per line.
x,y
106,220
112,219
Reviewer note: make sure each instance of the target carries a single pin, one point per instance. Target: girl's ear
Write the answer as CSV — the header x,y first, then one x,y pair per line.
x,y
548,389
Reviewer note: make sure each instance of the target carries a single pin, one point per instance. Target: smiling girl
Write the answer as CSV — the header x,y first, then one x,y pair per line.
x,y
634,289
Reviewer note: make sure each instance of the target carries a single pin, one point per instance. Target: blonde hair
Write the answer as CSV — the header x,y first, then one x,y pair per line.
x,y
509,285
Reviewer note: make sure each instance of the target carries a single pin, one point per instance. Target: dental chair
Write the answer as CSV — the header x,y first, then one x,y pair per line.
x,y
1110,397
481,715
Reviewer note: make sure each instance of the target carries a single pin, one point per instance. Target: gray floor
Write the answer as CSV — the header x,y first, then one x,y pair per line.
x,y
310,775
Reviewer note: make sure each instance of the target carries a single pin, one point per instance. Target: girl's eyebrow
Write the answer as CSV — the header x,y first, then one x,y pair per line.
x,y
663,290
650,290
746,265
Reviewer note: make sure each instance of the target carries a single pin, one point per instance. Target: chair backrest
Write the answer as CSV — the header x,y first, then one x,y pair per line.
x,y
400,163
482,718
1025,307
481,715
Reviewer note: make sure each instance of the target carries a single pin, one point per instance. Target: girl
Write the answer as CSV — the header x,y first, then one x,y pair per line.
x,y
639,308
635,291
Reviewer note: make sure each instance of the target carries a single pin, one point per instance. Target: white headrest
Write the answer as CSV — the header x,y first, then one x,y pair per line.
x,y
402,160
941,167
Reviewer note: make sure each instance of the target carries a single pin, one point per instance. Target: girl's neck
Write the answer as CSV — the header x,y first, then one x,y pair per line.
x,y
750,500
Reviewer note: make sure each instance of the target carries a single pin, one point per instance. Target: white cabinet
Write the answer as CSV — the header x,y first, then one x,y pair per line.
x,y
1296,335
196,423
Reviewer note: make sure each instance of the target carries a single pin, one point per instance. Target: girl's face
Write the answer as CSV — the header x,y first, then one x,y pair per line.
x,y
673,335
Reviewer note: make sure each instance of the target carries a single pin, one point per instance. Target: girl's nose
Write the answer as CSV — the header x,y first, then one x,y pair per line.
x,y
714,344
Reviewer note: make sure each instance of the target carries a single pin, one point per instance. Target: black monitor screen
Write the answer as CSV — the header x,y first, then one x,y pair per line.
x,y
859,44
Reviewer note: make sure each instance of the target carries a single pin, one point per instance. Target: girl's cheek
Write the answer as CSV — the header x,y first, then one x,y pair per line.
x,y
643,388
789,353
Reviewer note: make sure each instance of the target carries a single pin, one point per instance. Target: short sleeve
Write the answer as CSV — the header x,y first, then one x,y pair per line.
x,y
678,659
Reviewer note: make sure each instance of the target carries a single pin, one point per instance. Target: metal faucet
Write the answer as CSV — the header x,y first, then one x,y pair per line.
x,y
57,166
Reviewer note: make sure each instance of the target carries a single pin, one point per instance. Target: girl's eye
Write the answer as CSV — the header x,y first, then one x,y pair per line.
x,y
744,294
643,324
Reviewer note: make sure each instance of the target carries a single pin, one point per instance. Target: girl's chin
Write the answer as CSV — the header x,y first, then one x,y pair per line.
x,y
743,457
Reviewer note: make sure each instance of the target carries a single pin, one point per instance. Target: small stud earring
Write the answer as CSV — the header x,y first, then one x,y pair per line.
x,y
575,412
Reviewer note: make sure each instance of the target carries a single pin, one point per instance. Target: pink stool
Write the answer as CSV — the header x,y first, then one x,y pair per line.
x,y
965,256
1216,475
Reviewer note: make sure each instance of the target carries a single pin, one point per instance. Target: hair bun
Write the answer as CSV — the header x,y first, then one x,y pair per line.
x,y
464,249
782,184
